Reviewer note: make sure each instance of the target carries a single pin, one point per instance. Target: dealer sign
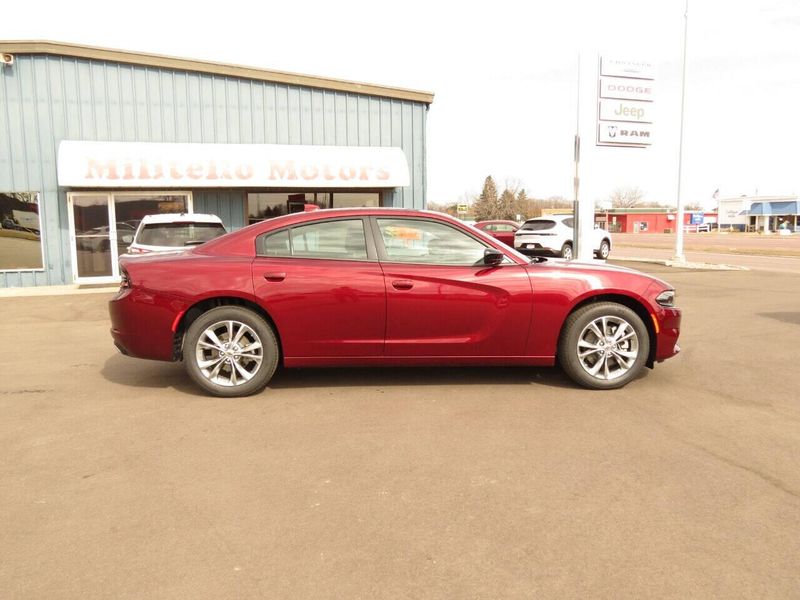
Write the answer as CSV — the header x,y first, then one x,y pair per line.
x,y
625,103
155,165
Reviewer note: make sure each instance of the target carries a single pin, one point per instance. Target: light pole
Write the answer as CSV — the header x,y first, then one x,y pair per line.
x,y
679,255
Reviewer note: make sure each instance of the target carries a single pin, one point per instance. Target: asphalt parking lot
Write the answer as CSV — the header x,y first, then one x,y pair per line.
x,y
119,480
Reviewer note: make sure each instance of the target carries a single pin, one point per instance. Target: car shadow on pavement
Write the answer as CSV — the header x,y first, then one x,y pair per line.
x,y
421,376
783,317
139,373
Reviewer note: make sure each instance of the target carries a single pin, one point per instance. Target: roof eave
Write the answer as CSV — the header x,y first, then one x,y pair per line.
x,y
214,68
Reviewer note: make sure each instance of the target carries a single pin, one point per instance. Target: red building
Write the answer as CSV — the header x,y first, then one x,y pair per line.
x,y
652,220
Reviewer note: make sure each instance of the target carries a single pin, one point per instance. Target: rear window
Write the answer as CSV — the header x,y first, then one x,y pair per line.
x,y
178,234
538,225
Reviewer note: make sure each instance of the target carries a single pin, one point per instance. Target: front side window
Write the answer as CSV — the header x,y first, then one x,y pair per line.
x,y
339,240
418,241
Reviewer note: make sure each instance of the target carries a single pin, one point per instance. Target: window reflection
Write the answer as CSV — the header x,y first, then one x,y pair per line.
x,y
20,231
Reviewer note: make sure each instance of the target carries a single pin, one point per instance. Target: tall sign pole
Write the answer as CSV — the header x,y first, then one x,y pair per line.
x,y
576,182
679,255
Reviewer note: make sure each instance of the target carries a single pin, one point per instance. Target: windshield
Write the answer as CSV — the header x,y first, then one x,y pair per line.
x,y
177,235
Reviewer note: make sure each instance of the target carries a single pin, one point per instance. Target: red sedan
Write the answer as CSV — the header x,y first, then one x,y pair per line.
x,y
373,286
502,230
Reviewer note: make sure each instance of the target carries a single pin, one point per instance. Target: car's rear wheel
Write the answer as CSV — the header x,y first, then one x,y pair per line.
x,y
604,250
230,351
566,251
603,346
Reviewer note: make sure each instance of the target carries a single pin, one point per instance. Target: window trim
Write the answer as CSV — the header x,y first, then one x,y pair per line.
x,y
384,257
372,255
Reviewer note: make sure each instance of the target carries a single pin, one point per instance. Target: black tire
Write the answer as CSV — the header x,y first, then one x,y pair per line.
x,y
566,251
255,330
621,362
604,251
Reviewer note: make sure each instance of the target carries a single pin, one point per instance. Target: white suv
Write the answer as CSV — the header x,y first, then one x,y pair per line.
x,y
171,232
553,234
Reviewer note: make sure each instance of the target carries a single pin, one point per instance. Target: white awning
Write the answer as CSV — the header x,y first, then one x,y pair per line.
x,y
152,165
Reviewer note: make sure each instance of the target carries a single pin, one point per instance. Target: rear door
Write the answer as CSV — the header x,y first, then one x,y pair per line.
x,y
324,288
441,300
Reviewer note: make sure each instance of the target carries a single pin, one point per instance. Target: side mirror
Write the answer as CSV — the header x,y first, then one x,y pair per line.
x,y
127,239
492,256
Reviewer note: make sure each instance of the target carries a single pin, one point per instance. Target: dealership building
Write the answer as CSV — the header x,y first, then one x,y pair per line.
x,y
92,140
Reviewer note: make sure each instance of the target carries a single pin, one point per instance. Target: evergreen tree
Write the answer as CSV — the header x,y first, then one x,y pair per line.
x,y
506,208
486,205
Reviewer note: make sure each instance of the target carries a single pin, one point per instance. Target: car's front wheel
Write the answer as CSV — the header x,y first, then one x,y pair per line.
x,y
230,351
603,346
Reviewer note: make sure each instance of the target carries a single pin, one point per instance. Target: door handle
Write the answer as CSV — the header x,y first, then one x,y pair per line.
x,y
274,276
402,284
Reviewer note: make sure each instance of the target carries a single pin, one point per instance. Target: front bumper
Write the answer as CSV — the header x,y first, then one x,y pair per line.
x,y
669,329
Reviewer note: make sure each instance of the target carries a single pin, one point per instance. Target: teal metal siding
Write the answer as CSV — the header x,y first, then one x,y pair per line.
x,y
228,205
45,99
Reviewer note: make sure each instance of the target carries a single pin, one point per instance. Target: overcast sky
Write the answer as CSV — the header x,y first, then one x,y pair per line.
x,y
505,78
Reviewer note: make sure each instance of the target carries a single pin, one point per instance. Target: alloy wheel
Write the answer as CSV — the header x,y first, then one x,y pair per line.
x,y
608,347
229,353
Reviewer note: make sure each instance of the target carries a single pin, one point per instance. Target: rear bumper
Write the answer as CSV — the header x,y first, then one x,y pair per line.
x,y
141,324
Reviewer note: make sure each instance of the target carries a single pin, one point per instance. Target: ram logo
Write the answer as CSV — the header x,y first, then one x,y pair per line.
x,y
612,131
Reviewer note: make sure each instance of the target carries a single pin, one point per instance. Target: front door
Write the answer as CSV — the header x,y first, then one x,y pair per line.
x,y
102,226
322,285
93,239
441,300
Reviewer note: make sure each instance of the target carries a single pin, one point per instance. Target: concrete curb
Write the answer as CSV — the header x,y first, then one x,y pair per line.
x,y
683,265
55,290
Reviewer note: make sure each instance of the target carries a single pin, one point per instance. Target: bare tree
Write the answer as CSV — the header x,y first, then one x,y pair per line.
x,y
626,197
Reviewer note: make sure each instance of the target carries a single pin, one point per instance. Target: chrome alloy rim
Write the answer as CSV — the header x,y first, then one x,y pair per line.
x,y
229,353
608,347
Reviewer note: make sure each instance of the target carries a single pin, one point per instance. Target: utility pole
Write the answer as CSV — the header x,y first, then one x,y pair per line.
x,y
576,182
679,255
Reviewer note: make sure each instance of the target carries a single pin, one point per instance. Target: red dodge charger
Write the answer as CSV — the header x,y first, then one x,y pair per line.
x,y
384,286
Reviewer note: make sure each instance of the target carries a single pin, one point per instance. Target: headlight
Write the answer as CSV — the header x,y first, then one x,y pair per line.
x,y
666,298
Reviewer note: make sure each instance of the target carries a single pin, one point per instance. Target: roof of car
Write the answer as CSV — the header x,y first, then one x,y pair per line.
x,y
181,218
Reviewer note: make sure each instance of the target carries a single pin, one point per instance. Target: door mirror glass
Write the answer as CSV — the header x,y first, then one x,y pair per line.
x,y
127,238
492,256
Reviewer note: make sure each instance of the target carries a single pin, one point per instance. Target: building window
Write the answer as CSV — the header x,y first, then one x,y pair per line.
x,y
267,205
20,232
103,225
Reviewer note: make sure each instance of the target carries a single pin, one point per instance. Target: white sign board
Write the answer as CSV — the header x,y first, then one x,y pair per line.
x,y
625,103
624,134
154,165
626,110
616,67
626,89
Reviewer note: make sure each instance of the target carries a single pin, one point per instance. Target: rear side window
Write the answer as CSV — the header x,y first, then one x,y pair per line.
x,y
178,234
341,240
569,222
538,225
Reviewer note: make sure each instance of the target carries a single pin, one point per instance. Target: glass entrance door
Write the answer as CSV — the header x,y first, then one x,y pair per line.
x,y
102,226
90,219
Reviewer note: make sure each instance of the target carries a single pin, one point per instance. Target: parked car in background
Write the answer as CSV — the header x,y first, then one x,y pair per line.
x,y
502,230
170,232
380,287
553,235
